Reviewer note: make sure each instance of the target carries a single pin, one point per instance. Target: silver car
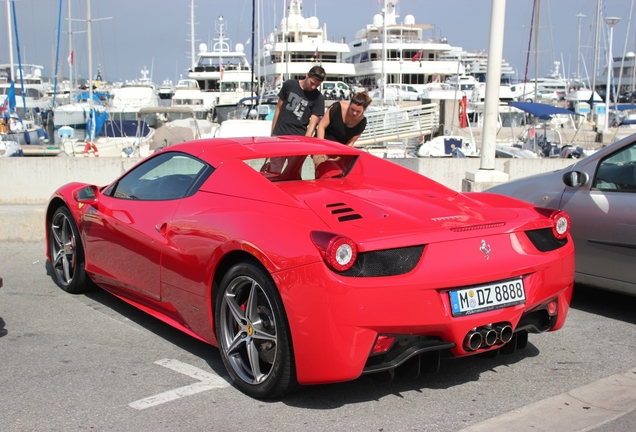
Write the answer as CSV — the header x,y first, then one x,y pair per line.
x,y
599,193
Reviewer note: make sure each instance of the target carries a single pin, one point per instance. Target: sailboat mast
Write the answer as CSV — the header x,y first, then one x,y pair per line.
x,y
90,68
536,49
286,16
70,53
597,20
192,58
57,52
253,41
10,38
578,53
384,24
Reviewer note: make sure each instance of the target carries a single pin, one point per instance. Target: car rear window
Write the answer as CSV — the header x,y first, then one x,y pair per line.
x,y
304,167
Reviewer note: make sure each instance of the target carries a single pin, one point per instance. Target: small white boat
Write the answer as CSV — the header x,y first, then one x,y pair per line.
x,y
448,146
76,114
166,90
10,148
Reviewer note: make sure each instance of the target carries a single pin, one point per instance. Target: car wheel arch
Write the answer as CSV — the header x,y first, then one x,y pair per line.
x,y
52,207
55,203
228,261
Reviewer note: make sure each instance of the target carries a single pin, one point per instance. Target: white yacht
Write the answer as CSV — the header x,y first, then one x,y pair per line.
x,y
412,57
554,82
35,88
131,97
166,90
224,75
298,45
475,65
188,94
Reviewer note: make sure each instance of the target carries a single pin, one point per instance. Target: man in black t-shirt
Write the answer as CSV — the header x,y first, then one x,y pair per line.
x,y
300,105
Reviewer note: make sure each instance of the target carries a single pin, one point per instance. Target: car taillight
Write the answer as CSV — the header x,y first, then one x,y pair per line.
x,y
339,252
561,224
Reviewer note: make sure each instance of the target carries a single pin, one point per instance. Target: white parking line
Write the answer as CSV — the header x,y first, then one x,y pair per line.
x,y
207,381
584,408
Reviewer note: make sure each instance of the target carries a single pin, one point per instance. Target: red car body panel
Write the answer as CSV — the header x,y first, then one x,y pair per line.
x,y
164,256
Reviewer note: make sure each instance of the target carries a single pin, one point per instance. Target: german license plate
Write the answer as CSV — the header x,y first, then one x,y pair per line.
x,y
484,298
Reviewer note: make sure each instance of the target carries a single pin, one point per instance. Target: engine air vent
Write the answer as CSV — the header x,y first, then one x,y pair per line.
x,y
342,210
347,212
349,217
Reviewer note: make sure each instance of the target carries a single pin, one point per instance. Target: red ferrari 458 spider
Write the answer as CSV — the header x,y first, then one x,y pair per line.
x,y
306,261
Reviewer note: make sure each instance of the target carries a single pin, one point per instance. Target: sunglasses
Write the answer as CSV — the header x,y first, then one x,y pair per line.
x,y
316,75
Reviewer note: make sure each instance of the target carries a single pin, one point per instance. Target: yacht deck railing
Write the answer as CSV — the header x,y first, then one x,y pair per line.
x,y
395,123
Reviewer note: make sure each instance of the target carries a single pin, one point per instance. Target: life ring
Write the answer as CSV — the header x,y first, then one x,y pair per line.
x,y
89,145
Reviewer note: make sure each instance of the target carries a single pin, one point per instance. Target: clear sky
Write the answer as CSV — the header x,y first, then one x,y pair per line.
x,y
155,33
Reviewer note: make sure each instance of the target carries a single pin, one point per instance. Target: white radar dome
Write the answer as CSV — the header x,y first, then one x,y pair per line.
x,y
409,19
314,23
239,47
203,47
377,20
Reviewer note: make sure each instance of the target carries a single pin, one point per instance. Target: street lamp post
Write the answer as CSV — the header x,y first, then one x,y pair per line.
x,y
611,22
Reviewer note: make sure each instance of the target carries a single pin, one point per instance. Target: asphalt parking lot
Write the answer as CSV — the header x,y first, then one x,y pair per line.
x,y
71,362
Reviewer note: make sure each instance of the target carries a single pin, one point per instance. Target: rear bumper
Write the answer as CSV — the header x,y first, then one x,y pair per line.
x,y
335,320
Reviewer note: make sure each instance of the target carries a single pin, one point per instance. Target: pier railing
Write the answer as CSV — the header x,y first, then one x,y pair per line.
x,y
395,123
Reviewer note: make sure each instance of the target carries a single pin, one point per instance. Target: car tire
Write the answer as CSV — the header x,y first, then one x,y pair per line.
x,y
67,253
253,333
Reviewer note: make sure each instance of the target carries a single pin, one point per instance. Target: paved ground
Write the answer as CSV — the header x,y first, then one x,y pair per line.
x,y
93,362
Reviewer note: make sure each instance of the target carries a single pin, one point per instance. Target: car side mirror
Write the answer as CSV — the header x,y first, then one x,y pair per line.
x,y
575,178
86,195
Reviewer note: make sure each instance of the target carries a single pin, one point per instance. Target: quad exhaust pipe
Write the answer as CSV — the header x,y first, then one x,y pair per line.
x,y
487,336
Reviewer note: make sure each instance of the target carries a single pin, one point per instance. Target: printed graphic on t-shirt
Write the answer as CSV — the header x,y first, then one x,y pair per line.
x,y
296,105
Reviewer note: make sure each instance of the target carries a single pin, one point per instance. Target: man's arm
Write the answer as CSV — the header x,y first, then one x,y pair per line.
x,y
279,105
313,121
